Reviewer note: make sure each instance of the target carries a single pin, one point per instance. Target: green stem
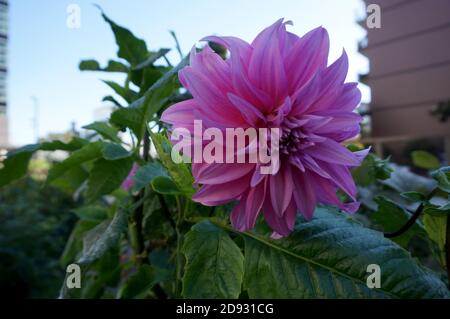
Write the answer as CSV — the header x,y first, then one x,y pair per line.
x,y
410,222
179,255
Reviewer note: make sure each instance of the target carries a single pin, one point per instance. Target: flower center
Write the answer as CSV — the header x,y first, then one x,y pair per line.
x,y
293,140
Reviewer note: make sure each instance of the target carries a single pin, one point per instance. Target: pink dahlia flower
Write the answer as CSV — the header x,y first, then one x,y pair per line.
x,y
128,183
279,80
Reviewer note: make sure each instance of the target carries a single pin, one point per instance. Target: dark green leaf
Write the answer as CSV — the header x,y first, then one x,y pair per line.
x,y
129,117
106,239
16,163
214,263
131,48
105,130
328,257
151,59
87,153
112,151
92,213
127,94
145,174
93,65
391,217
164,185
140,283
414,196
111,99
106,176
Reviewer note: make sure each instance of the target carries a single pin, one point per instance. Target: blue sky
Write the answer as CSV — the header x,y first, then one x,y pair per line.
x,y
44,53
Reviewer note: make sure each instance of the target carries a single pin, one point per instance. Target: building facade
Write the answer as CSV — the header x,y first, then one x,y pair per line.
x,y
3,72
409,72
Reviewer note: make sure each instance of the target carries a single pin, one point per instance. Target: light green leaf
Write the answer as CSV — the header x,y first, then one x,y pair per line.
x,y
179,172
436,227
425,160
106,176
327,257
214,263
442,176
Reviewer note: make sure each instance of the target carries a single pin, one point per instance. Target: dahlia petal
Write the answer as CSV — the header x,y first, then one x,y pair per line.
x,y
180,114
333,152
281,188
210,98
326,193
243,216
266,69
219,194
342,177
308,55
249,112
275,222
218,173
304,196
340,121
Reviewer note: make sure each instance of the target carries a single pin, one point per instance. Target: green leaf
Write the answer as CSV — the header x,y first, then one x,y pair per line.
x,y
371,170
164,185
127,94
442,176
425,160
112,151
436,227
391,217
131,48
93,65
214,263
16,163
87,153
74,244
414,196
105,130
179,172
151,59
106,239
145,174
137,115
129,117
91,213
327,257
106,176
111,99
139,283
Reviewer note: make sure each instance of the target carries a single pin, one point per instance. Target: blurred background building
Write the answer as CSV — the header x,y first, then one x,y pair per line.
x,y
409,77
3,72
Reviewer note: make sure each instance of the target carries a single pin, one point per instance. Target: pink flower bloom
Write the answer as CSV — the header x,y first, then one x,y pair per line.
x,y
279,80
128,183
